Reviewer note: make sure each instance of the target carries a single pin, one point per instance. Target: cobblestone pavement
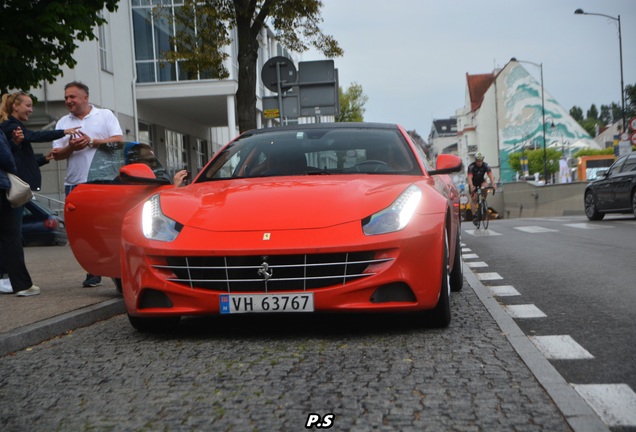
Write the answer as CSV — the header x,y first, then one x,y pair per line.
x,y
253,373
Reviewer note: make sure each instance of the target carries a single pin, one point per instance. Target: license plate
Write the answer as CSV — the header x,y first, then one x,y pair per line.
x,y
263,303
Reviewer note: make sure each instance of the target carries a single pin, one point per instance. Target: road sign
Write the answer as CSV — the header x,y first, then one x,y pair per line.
x,y
634,138
632,123
275,68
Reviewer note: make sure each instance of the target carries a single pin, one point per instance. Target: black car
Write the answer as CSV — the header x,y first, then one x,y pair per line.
x,y
614,190
42,227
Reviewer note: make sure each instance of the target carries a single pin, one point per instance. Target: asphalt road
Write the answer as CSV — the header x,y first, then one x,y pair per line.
x,y
580,276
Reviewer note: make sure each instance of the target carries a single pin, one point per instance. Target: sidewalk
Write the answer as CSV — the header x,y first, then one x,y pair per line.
x,y
63,304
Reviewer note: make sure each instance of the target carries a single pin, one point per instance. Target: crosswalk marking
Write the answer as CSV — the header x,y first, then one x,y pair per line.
x,y
615,404
482,232
560,347
535,229
503,291
524,311
585,225
476,264
465,249
470,256
488,276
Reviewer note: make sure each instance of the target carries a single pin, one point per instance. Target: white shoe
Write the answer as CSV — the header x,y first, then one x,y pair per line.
x,y
5,286
29,292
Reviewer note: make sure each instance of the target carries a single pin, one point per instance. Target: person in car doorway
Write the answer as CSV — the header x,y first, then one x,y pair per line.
x,y
95,127
477,172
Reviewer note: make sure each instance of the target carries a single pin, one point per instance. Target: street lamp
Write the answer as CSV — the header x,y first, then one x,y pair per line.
x,y
545,157
620,51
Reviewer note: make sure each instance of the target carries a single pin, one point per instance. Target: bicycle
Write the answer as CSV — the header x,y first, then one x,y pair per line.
x,y
482,215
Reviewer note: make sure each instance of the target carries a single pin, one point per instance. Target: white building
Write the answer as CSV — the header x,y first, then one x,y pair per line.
x,y
186,119
505,112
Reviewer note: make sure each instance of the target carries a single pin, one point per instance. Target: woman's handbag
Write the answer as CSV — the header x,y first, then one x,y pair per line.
x,y
20,192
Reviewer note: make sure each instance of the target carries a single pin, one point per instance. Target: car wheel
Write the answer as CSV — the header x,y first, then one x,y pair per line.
x,y
590,208
117,282
440,316
457,274
154,324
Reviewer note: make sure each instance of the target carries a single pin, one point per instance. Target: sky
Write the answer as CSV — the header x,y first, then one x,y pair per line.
x,y
411,57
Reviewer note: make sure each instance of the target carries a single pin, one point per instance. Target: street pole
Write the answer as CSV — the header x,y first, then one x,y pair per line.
x,y
620,52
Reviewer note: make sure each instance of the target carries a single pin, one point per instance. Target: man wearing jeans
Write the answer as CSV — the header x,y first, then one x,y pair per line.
x,y
96,127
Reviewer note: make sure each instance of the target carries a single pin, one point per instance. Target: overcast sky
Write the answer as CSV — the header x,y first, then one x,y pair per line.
x,y
411,57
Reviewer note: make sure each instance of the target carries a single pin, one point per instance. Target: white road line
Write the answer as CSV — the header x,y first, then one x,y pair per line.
x,y
488,276
475,264
615,404
560,347
588,226
465,249
481,232
503,291
524,311
470,256
535,229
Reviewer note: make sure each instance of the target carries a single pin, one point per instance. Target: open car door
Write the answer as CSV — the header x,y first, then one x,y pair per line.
x,y
94,211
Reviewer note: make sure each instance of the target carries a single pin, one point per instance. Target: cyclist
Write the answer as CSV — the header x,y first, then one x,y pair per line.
x,y
477,178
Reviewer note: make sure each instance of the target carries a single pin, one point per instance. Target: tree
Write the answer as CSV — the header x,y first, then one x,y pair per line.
x,y
535,160
40,37
352,104
576,113
592,113
294,22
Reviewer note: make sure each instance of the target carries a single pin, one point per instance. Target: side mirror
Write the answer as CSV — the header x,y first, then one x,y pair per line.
x,y
140,173
602,173
446,164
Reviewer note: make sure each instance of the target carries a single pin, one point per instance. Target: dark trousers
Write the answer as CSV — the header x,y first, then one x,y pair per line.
x,y
11,252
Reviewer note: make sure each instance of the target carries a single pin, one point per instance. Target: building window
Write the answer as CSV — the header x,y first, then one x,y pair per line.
x,y
176,155
105,54
202,154
145,133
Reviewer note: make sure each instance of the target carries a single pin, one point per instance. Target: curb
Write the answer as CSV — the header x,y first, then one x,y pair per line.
x,y
576,411
41,331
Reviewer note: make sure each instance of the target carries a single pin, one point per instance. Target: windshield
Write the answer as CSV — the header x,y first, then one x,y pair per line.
x,y
315,151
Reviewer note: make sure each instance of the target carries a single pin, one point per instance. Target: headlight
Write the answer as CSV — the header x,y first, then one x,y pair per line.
x,y
155,225
395,217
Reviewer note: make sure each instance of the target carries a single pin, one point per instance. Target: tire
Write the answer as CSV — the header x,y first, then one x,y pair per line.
x,y
154,325
590,208
457,274
485,214
440,316
117,282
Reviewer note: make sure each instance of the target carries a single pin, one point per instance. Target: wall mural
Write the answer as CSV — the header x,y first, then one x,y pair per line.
x,y
521,123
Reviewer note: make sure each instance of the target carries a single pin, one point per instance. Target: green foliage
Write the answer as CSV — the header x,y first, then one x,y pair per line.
x,y
535,160
197,52
593,152
40,37
295,23
576,113
352,104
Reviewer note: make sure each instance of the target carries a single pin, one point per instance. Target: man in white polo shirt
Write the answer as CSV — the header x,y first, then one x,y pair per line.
x,y
97,127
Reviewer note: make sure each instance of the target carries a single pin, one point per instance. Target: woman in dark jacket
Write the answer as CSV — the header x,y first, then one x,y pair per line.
x,y
11,252
16,109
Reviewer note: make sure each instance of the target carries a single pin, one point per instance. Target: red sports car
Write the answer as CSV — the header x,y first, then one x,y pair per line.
x,y
308,218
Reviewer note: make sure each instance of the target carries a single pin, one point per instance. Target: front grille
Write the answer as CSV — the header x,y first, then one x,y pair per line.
x,y
270,273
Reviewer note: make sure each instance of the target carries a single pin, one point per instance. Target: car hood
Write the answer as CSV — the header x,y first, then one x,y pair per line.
x,y
281,203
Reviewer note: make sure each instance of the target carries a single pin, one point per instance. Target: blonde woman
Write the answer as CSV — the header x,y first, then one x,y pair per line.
x,y
14,110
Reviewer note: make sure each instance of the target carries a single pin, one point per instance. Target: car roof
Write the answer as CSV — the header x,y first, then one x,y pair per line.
x,y
337,125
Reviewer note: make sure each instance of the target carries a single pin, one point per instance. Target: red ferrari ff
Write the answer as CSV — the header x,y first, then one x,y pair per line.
x,y
308,218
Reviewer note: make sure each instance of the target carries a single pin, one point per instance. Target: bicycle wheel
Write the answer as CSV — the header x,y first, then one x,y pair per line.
x,y
485,214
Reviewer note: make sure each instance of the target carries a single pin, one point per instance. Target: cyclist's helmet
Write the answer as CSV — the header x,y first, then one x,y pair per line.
x,y
479,157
